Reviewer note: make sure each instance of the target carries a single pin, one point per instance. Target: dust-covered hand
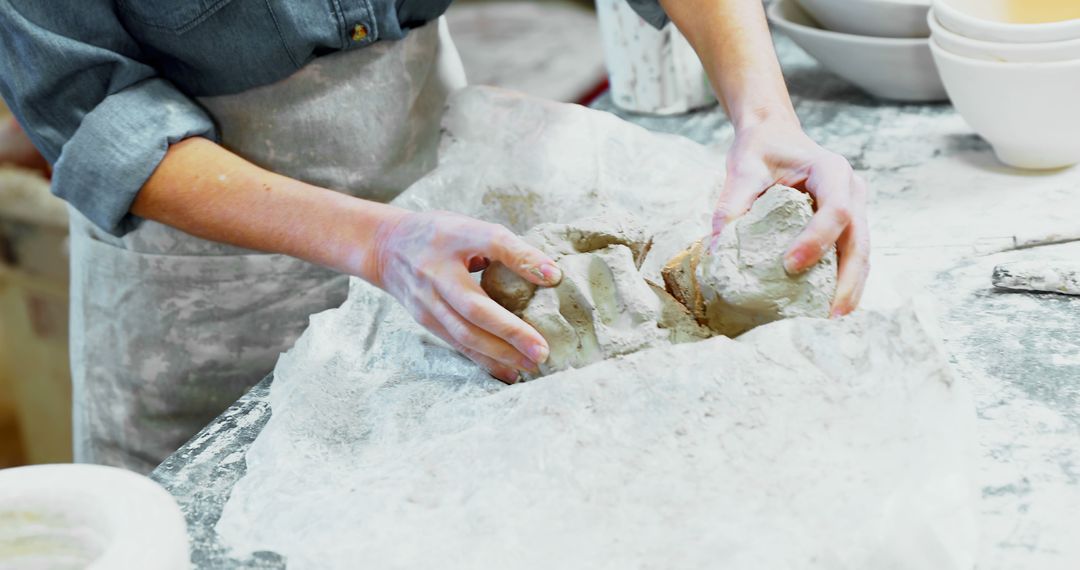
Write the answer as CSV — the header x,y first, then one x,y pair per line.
x,y
779,152
424,259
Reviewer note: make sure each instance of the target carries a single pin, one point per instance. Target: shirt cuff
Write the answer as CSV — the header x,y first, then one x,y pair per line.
x,y
119,144
650,11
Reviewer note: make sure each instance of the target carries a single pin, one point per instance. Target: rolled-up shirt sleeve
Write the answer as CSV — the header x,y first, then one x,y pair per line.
x,y
650,11
71,74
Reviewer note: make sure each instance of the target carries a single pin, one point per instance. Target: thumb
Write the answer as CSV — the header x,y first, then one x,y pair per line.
x,y
527,261
736,198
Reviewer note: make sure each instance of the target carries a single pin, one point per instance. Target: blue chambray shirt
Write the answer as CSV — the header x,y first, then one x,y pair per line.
x,y
103,87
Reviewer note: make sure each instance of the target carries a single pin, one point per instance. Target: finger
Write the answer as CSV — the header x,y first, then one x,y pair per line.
x,y
853,251
501,372
740,191
530,263
478,263
832,189
476,339
470,301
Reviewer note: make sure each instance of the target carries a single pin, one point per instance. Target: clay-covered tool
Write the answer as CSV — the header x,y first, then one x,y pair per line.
x,y
1050,276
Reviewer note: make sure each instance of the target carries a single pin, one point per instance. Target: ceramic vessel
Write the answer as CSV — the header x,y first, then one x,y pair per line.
x,y
998,51
899,69
1027,111
986,20
878,18
650,71
88,516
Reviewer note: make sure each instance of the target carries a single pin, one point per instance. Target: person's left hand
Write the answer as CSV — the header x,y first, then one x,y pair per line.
x,y
777,151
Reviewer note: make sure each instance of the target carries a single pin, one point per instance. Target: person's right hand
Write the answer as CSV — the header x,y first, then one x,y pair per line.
x,y
423,259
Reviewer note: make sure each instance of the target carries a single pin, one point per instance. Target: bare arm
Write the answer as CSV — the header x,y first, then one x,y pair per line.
x,y
211,193
423,259
731,37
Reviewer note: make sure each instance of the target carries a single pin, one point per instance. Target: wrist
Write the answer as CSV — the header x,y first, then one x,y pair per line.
x,y
749,116
368,253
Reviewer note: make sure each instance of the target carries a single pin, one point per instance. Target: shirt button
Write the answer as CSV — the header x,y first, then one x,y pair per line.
x,y
359,32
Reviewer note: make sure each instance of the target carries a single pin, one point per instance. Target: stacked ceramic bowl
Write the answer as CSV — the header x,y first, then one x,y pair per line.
x,y
881,46
1012,69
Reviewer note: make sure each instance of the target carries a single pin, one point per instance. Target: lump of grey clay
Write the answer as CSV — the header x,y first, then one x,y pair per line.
x,y
681,282
740,282
558,240
603,307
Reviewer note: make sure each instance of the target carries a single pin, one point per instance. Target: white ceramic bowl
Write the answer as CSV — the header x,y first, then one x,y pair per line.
x,y
899,69
88,516
987,20
997,51
877,18
1027,111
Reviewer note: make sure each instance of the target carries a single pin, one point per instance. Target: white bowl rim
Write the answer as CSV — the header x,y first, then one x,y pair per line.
x,y
991,25
977,62
774,16
134,502
920,3
936,27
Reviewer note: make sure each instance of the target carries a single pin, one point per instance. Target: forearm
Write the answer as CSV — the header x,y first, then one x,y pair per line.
x,y
731,37
207,191
420,258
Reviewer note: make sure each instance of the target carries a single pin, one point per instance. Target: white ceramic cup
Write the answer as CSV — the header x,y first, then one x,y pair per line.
x,y
983,20
876,18
998,51
650,71
1027,111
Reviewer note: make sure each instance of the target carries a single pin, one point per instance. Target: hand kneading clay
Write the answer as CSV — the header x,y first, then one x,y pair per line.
x,y
603,307
740,282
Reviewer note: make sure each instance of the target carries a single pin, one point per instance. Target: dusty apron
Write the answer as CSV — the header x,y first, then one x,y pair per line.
x,y
167,330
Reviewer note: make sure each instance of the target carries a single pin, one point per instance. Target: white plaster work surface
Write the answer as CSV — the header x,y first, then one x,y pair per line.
x,y
941,206
806,443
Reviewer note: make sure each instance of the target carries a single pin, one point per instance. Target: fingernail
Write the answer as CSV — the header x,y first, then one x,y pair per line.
x,y
794,261
550,273
537,353
509,376
837,312
478,263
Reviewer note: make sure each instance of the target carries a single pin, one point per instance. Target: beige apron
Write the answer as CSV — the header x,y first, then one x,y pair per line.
x,y
167,330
